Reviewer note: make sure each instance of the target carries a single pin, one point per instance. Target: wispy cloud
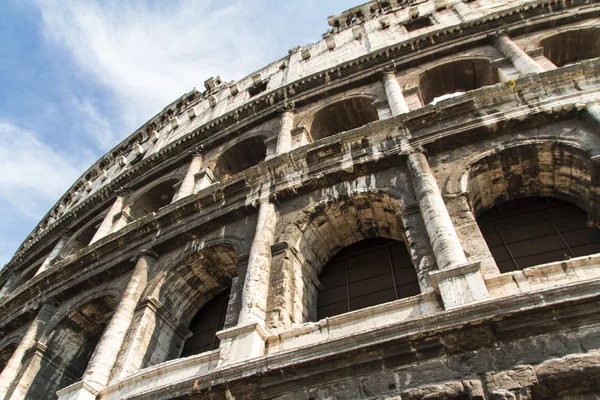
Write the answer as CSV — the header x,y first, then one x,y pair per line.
x,y
32,172
148,55
33,177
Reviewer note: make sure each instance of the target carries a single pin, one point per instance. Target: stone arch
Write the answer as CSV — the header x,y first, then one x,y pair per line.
x,y
27,275
152,197
69,344
340,115
534,168
82,237
204,270
76,303
569,46
456,76
197,278
321,230
543,167
365,215
240,155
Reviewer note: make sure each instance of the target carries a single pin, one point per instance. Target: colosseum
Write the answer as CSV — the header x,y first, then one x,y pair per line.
x,y
407,209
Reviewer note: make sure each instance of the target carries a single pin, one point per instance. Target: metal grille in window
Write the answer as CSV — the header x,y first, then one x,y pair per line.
x,y
206,323
367,273
526,232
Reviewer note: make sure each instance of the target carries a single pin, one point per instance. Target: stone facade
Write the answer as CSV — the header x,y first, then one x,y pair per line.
x,y
407,122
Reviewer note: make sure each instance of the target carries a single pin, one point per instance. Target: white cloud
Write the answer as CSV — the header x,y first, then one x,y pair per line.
x,y
33,175
149,55
33,178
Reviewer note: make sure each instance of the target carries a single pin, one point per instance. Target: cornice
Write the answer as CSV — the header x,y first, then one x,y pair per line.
x,y
526,17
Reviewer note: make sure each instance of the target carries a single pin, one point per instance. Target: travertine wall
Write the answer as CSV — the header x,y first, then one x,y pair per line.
x,y
226,189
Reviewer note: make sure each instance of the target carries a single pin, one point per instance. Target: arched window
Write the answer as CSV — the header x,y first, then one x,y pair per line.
x,y
343,116
204,326
456,77
365,274
240,157
536,230
572,46
154,199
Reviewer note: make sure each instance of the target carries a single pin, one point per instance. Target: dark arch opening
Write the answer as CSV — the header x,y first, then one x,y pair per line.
x,y
572,46
456,77
80,240
71,343
205,324
364,274
240,157
536,230
343,116
153,199
5,354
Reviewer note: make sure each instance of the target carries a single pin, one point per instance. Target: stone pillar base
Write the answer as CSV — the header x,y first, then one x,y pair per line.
x,y
461,285
78,391
241,342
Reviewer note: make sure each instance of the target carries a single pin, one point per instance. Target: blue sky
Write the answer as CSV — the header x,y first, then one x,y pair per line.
x,y
77,77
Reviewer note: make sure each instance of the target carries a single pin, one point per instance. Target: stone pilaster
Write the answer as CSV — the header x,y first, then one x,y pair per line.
x,y
204,179
13,368
107,223
457,281
521,60
247,339
103,360
154,328
38,358
188,184
284,138
292,299
469,234
53,254
394,94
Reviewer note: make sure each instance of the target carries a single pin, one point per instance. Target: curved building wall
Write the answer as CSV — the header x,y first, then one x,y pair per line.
x,y
265,209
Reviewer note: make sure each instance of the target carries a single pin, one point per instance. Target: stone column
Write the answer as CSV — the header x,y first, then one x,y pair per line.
x,y
108,221
284,139
13,367
394,94
105,354
444,240
457,281
247,339
189,181
256,285
522,62
53,254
